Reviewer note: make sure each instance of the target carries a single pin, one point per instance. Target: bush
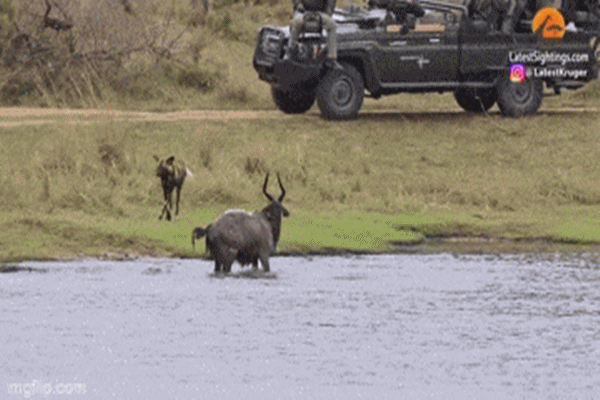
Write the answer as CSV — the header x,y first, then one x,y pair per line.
x,y
154,53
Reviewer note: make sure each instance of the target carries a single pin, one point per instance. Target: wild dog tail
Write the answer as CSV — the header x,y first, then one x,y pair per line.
x,y
198,233
188,172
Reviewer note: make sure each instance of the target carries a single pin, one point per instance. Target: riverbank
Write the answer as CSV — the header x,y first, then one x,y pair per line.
x,y
83,184
70,236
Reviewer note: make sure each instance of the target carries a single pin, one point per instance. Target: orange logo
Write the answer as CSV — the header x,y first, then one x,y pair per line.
x,y
549,23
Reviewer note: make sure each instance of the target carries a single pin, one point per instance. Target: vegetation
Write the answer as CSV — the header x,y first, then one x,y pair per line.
x,y
88,187
408,169
136,55
149,55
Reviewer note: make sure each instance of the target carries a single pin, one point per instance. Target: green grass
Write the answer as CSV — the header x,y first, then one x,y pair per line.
x,y
387,179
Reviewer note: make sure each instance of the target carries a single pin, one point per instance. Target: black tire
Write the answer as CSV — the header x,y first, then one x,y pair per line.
x,y
476,100
294,102
340,93
517,99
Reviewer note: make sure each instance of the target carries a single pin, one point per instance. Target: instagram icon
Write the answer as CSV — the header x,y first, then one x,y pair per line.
x,y
518,73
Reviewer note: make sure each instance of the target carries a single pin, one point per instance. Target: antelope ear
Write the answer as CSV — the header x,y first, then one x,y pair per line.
x,y
156,158
170,160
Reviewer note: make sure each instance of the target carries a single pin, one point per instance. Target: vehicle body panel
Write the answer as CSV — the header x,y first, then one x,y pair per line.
x,y
444,51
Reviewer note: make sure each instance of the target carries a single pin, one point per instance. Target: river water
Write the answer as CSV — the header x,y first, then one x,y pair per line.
x,y
376,327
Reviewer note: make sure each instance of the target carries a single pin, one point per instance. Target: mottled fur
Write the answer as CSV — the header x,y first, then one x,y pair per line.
x,y
171,178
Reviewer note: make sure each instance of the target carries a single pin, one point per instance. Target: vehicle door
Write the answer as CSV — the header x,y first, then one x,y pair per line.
x,y
426,53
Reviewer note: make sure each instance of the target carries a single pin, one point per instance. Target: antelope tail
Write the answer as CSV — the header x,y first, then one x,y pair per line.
x,y
198,233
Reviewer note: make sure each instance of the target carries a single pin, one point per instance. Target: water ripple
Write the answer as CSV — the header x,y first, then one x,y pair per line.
x,y
338,327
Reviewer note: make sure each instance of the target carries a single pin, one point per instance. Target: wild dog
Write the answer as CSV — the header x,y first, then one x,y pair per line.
x,y
171,177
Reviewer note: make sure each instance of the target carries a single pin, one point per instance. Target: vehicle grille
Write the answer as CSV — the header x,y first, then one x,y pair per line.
x,y
270,46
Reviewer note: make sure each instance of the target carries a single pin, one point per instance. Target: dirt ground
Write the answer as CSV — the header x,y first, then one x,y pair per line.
x,y
35,116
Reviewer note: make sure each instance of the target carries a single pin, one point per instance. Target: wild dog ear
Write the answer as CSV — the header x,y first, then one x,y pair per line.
x,y
170,160
156,158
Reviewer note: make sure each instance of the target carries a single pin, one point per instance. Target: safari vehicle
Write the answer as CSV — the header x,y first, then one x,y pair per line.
x,y
448,48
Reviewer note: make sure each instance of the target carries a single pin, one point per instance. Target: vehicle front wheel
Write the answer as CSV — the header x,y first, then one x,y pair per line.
x,y
475,100
293,102
340,93
516,99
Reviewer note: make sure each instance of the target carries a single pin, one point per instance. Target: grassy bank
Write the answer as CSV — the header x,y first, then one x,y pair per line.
x,y
385,182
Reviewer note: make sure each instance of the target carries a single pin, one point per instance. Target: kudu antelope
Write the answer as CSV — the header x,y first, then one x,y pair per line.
x,y
172,178
244,236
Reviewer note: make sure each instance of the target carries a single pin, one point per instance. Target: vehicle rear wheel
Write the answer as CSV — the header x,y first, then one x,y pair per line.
x,y
476,100
293,102
517,99
340,93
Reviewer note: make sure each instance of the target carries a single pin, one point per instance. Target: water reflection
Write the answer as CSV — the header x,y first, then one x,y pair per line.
x,y
378,326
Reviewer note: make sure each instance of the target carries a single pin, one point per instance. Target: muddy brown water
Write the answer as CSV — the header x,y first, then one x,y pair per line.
x,y
397,326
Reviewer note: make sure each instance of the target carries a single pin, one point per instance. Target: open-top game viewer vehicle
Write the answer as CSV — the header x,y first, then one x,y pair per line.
x,y
445,47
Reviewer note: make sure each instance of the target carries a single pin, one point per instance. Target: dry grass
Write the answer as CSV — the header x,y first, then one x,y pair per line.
x,y
160,57
356,185
485,162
